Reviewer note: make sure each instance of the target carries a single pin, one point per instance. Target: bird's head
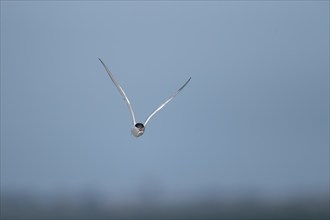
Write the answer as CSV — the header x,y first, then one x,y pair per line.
x,y
138,129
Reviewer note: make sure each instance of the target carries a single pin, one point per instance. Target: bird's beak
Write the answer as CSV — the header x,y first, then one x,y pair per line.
x,y
140,132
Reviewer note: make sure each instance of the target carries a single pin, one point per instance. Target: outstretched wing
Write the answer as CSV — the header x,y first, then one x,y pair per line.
x,y
121,91
167,101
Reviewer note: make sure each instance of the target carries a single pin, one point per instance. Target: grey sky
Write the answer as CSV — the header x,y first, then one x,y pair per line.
x,y
254,116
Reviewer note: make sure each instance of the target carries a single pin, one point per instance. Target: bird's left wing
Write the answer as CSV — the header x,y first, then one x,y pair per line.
x,y
167,101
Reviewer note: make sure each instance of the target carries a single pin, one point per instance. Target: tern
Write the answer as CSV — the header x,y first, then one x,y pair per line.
x,y
138,128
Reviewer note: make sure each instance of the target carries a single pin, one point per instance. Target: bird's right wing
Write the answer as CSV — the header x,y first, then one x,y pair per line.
x,y
121,91
167,101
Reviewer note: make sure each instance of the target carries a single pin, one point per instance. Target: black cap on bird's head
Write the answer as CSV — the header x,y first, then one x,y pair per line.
x,y
140,126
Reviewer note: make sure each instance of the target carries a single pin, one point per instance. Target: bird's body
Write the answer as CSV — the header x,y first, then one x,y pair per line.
x,y
138,128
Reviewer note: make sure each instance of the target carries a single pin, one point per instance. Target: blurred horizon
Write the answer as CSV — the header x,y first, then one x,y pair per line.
x,y
153,203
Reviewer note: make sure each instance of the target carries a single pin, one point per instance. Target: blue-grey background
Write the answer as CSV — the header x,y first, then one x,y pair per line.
x,y
253,120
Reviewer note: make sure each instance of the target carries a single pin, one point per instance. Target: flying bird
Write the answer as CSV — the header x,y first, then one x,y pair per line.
x,y
138,128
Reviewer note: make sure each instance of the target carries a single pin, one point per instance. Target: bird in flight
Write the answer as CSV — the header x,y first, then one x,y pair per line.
x,y
138,128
